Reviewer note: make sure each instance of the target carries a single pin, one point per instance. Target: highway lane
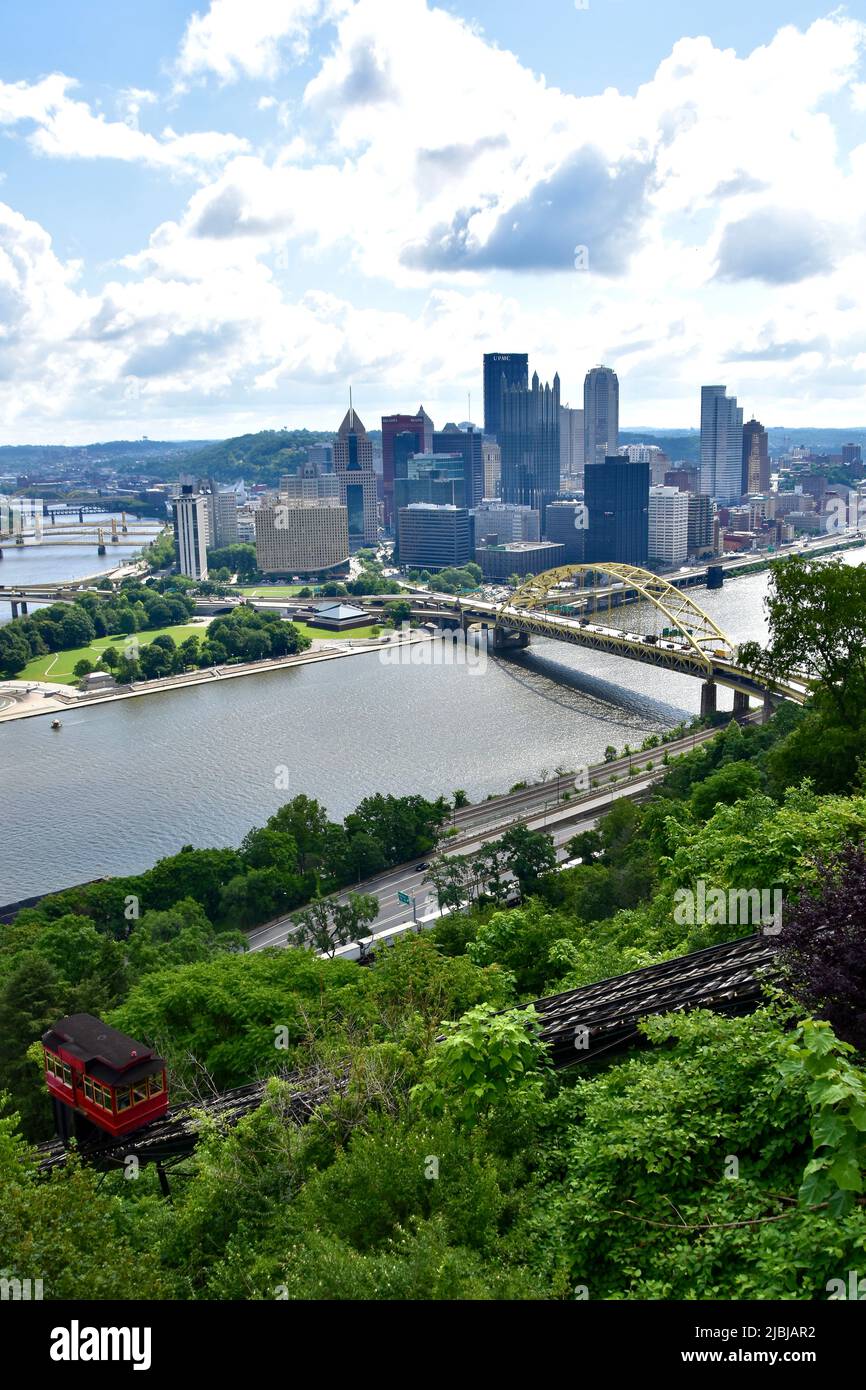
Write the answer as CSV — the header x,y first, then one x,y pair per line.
x,y
560,822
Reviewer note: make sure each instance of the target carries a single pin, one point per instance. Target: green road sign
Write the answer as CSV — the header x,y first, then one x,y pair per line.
x,y
404,898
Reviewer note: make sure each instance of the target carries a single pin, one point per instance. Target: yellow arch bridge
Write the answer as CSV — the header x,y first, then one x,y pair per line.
x,y
628,612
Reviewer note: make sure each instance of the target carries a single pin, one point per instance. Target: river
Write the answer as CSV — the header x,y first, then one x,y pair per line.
x,y
122,785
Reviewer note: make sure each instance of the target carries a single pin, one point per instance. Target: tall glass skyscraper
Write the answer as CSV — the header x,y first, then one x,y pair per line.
x,y
616,494
353,464
502,370
721,445
756,458
600,415
529,438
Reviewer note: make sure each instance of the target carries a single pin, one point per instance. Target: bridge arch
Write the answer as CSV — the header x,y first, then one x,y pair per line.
x,y
698,630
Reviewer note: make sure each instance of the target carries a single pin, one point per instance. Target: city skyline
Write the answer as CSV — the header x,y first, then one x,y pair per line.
x,y
680,197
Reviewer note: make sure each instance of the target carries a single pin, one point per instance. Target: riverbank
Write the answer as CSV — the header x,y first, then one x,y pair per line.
x,y
30,699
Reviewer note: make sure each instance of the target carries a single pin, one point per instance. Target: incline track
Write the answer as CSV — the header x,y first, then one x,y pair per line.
x,y
581,1024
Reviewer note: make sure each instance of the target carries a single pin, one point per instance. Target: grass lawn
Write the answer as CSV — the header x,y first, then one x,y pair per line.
x,y
58,666
321,632
271,590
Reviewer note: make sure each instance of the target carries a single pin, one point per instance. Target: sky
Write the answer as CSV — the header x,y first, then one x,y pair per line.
x,y
217,217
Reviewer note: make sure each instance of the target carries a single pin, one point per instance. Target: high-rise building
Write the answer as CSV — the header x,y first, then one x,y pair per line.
x,y
702,525
529,439
468,443
421,427
756,459
721,445
852,455
353,465
502,370
565,525
322,455
437,478
571,457
617,501
310,482
686,479
509,520
491,456
647,453
222,517
600,415
434,537
301,536
190,531
668,539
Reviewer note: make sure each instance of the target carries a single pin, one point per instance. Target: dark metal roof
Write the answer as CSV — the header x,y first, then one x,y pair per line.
x,y
90,1040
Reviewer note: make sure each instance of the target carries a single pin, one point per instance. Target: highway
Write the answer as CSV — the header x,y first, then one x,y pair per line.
x,y
540,807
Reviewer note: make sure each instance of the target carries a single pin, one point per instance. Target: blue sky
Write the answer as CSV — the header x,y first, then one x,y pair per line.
x,y
215,217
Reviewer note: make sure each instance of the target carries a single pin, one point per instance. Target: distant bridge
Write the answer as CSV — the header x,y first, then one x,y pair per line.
x,y
632,613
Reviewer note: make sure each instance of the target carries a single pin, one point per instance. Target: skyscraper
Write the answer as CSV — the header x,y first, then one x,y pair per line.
x,y
529,438
421,426
600,415
501,371
756,459
617,500
721,445
668,525
353,464
571,456
190,532
467,443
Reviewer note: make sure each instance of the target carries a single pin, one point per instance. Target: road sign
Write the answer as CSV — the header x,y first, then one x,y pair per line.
x,y
404,898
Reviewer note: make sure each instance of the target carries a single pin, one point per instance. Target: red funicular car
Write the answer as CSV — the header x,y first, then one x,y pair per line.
x,y
98,1075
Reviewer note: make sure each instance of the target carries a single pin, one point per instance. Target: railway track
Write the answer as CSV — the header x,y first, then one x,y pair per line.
x,y
577,1026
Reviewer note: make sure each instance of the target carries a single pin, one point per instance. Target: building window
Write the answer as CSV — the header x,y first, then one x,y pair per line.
x,y
121,1098
139,1093
157,1084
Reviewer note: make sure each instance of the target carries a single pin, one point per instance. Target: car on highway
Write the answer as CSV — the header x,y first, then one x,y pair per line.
x,y
419,868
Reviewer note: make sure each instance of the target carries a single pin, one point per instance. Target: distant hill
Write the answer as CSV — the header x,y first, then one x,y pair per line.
x,y
258,458
123,453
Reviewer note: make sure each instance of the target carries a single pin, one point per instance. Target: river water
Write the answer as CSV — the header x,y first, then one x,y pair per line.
x,y
122,785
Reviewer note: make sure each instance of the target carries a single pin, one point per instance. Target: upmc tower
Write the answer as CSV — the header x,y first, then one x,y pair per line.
x,y
514,367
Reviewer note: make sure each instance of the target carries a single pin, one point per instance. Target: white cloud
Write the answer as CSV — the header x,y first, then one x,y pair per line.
x,y
68,129
247,38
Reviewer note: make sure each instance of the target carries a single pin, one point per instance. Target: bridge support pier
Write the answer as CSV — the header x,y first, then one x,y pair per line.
x,y
770,703
741,704
709,691
14,608
504,639
24,609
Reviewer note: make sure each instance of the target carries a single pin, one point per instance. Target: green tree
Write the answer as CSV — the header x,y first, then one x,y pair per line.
x,y
327,924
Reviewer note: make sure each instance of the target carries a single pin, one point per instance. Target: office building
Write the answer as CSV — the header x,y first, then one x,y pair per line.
x,y
509,520
502,370
420,426
434,537
437,478
518,557
529,439
756,459
353,465
616,493
491,457
852,455
565,525
702,532
571,428
686,479
322,455
668,526
222,517
190,531
600,415
311,483
302,536
647,453
453,439
721,445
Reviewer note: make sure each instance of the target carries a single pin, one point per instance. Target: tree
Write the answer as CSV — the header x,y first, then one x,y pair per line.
x,y
817,619
110,657
327,924
82,668
460,798
823,945
530,855
610,754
